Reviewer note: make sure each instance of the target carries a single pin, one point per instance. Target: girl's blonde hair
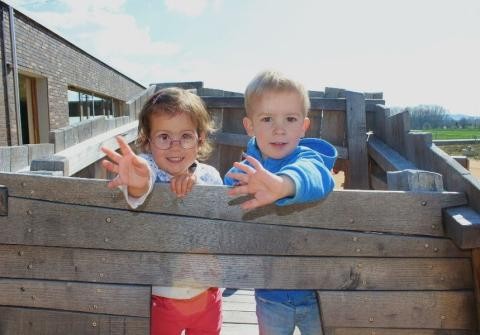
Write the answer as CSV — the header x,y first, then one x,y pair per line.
x,y
270,80
172,101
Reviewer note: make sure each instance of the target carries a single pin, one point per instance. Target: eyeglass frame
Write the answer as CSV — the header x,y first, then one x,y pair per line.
x,y
195,141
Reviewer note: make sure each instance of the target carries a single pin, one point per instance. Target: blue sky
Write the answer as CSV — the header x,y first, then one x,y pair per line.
x,y
415,51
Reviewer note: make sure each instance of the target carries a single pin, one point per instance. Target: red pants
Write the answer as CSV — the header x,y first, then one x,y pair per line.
x,y
201,315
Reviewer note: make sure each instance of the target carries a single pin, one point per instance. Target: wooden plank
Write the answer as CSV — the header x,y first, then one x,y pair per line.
x,y
57,137
418,150
462,225
378,182
333,128
18,158
87,152
400,212
381,114
476,280
33,222
41,150
32,321
436,310
463,161
238,102
456,177
393,331
171,269
3,201
233,121
82,297
5,159
397,127
316,120
415,180
357,141
387,158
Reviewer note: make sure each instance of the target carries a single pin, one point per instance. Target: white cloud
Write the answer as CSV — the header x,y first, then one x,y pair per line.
x,y
190,7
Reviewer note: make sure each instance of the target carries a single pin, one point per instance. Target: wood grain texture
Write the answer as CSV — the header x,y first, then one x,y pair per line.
x,y
172,269
387,158
34,222
400,212
393,331
82,297
33,321
476,280
357,141
435,310
462,225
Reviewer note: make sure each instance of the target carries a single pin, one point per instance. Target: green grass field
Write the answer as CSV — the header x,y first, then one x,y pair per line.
x,y
453,134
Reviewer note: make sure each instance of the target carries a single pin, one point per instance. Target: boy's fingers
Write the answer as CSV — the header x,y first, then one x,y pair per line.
x,y
255,163
244,167
241,177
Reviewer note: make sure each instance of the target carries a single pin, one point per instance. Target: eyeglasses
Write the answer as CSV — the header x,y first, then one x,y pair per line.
x,y
164,141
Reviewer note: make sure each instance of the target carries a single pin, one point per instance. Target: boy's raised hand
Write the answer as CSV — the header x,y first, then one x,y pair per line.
x,y
132,170
265,186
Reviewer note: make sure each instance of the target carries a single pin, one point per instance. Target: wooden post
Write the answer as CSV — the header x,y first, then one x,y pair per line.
x,y
414,180
357,174
3,201
476,280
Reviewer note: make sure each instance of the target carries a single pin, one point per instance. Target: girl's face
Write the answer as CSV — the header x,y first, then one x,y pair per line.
x,y
179,129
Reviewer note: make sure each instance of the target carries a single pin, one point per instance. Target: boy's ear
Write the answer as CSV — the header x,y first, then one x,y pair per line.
x,y
306,124
248,125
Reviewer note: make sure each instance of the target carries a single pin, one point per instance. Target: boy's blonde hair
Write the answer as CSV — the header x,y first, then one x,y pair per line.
x,y
270,80
172,101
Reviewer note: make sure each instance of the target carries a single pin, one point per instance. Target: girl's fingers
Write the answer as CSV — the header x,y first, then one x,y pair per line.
x,y
124,147
110,166
250,204
115,182
238,190
111,154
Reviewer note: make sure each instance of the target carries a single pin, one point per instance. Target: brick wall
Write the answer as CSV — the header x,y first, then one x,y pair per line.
x,y
41,52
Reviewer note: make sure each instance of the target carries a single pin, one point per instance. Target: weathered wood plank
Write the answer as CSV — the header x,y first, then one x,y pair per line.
x,y
436,310
476,280
414,180
3,200
387,158
392,331
397,127
357,141
82,297
169,269
333,128
32,321
87,152
401,212
34,222
462,224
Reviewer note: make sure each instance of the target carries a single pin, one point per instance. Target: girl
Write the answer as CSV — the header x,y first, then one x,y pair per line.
x,y
172,134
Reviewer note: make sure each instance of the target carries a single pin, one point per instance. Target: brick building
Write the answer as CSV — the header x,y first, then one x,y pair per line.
x,y
48,83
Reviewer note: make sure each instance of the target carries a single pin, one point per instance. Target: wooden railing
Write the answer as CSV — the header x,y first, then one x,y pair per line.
x,y
74,257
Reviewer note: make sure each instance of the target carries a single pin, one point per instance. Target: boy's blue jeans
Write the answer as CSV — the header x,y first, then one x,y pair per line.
x,y
280,318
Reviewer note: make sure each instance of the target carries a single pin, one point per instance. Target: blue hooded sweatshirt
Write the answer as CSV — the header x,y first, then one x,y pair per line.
x,y
309,167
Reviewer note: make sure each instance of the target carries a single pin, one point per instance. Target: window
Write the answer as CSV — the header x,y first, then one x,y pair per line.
x,y
84,105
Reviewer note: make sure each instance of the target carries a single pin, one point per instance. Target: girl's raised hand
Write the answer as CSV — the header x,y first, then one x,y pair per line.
x,y
132,171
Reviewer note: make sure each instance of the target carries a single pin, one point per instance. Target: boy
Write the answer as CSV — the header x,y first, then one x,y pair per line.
x,y
283,168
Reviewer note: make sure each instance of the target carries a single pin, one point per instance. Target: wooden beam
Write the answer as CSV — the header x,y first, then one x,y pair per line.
x,y
387,158
33,321
254,271
401,212
414,180
357,141
393,331
3,201
423,310
33,222
82,297
462,225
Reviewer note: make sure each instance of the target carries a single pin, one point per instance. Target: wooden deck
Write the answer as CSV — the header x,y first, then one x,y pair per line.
x,y
239,314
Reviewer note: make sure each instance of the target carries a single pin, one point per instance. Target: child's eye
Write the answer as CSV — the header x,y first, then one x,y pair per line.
x,y
188,136
292,119
266,119
163,137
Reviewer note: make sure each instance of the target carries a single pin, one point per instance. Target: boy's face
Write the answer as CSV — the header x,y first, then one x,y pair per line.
x,y
277,121
175,160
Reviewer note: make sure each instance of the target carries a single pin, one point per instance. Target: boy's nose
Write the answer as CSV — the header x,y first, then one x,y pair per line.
x,y
278,128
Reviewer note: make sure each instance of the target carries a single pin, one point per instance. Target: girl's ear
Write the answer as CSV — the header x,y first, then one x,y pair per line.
x,y
201,138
